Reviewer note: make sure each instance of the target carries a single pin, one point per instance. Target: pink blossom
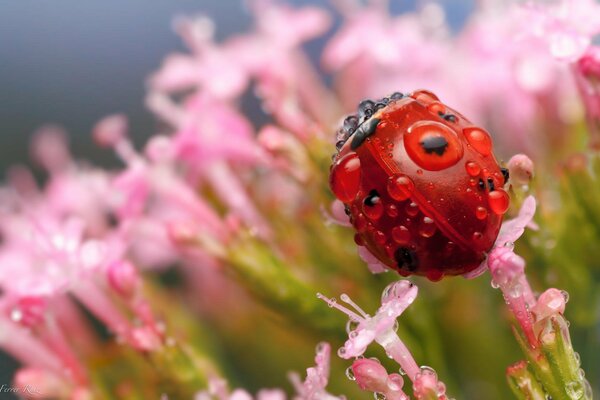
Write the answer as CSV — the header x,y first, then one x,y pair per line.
x,y
317,377
566,26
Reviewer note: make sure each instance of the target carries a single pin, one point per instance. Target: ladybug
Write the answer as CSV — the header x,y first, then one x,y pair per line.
x,y
420,184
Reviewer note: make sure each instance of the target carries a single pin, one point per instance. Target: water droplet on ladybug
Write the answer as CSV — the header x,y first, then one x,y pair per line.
x,y
479,139
373,206
391,210
412,209
401,234
473,169
477,236
345,177
400,187
427,228
360,223
498,201
379,237
481,213
436,108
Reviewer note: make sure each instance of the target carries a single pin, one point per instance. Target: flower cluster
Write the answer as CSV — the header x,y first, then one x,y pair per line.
x,y
198,259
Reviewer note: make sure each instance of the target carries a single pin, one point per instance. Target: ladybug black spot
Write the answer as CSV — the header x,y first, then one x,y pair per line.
x,y
365,130
435,144
505,174
490,182
481,184
372,198
406,259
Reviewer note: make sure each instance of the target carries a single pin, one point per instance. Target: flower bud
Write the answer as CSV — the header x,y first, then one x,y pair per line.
x,y
520,168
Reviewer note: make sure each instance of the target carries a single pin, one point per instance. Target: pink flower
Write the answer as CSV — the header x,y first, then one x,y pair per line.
x,y
317,377
566,26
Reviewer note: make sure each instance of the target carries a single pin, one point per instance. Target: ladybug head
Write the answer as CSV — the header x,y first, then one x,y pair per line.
x,y
419,179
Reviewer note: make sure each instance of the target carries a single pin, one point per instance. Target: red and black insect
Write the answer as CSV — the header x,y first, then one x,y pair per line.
x,y
420,183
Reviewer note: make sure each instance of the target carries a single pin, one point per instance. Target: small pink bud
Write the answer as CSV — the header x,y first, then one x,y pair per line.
x,y
49,148
123,277
370,375
520,168
37,383
110,130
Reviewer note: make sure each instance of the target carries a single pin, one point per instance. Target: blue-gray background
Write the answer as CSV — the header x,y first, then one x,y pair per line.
x,y
72,62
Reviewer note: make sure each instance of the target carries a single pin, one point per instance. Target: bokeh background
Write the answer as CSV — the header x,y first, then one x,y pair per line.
x,y
71,62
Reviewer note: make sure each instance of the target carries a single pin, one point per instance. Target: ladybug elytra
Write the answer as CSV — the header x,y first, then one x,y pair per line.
x,y
420,184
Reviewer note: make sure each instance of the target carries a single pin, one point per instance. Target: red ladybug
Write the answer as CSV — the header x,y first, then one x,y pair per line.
x,y
420,184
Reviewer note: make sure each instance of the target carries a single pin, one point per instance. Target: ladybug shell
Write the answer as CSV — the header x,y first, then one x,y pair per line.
x,y
422,187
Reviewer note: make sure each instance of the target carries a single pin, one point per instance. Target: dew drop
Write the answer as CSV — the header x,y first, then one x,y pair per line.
x,y
427,228
345,177
412,209
401,234
351,326
379,396
481,213
473,169
477,236
395,382
391,210
350,374
565,295
498,201
331,302
341,352
360,222
400,187
479,139
402,372
373,206
575,390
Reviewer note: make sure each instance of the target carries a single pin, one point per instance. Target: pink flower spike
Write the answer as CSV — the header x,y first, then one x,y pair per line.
x,y
370,375
317,377
395,299
110,130
587,78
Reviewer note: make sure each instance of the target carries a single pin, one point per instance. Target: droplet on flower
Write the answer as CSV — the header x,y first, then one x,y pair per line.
x,y
565,295
379,396
350,374
395,382
400,187
345,177
575,389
